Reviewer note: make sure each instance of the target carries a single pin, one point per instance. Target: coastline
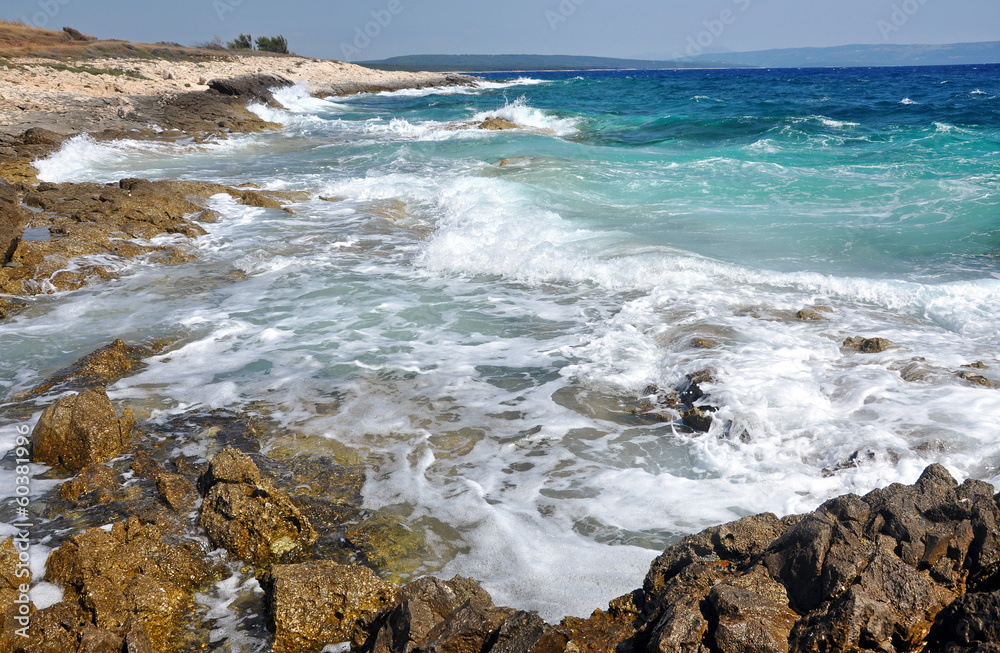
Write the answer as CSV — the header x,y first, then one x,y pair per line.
x,y
756,584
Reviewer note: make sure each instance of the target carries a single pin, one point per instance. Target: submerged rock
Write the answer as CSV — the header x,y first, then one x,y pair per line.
x,y
81,430
868,345
318,603
94,484
247,516
495,123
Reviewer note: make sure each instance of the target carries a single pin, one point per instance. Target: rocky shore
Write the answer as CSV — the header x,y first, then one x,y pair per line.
x,y
147,541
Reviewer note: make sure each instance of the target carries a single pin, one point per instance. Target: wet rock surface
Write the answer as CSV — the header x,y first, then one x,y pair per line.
x,y
318,603
247,516
81,430
868,345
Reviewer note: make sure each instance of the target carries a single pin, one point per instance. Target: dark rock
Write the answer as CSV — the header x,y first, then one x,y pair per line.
x,y
752,614
250,88
81,430
697,419
972,623
868,345
12,221
248,516
814,313
93,484
104,366
524,632
974,379
318,603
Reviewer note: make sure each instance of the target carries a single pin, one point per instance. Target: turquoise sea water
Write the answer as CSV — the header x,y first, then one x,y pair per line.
x,y
477,311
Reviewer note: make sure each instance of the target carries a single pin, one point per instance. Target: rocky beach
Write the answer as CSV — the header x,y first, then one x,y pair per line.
x,y
224,529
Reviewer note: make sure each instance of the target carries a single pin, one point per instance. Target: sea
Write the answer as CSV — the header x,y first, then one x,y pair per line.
x,y
493,320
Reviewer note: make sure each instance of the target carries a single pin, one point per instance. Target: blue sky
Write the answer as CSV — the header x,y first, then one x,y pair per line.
x,y
619,28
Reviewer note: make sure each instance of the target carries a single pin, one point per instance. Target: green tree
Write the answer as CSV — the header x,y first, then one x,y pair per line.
x,y
242,42
272,44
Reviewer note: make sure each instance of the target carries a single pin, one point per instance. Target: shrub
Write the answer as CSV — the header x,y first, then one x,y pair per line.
x,y
242,42
273,44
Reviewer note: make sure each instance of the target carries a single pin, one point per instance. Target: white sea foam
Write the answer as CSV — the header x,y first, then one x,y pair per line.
x,y
521,113
908,101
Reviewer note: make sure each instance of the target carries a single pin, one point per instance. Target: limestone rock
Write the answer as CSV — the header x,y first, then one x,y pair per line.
x,y
250,88
318,603
81,430
248,516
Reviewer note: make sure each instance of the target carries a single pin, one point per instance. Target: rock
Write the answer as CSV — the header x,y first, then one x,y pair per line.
x,y
422,618
494,123
868,345
176,491
697,419
970,624
704,343
250,88
752,614
318,603
12,221
974,379
94,484
81,430
248,517
104,366
131,575
813,313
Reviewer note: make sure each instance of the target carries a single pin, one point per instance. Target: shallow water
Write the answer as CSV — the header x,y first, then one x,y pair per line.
x,y
479,331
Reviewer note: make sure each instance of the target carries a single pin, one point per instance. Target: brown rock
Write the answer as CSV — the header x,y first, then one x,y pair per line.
x,y
176,491
81,430
248,516
868,345
12,221
101,367
131,574
753,614
494,123
697,419
95,484
319,603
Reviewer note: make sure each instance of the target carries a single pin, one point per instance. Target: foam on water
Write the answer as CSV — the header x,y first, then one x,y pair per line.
x,y
478,332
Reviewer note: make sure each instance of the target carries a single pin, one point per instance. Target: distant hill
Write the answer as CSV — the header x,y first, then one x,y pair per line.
x,y
477,63
841,56
862,55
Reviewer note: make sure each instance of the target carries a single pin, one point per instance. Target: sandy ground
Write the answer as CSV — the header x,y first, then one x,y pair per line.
x,y
31,87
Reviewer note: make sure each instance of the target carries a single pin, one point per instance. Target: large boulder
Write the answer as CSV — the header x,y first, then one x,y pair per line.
x,y
247,516
81,430
132,582
318,603
250,88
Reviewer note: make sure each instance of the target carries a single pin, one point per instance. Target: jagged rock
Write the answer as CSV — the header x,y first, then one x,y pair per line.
x,y
101,367
93,484
176,491
868,345
752,614
318,603
132,577
697,419
12,220
494,123
969,625
81,430
250,88
813,313
420,618
247,516
974,379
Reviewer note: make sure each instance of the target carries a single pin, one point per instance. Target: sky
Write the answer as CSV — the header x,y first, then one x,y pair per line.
x,y
359,30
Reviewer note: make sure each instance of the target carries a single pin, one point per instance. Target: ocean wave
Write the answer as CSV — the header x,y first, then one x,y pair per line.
x,y
521,113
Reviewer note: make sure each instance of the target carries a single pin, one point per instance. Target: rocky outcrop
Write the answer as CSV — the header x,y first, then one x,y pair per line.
x,y
250,88
176,491
125,589
868,345
494,123
247,516
318,603
888,572
12,220
94,484
81,430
